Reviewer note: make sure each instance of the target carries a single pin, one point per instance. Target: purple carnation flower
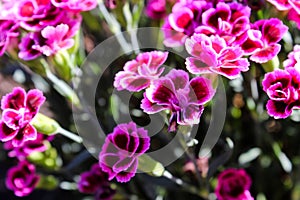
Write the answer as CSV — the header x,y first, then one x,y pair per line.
x,y
233,184
19,109
22,179
139,73
283,89
96,182
211,54
293,58
105,193
184,98
262,39
120,152
27,50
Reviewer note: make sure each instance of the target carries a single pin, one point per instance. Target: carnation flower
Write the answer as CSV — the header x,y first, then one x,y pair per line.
x,y
294,16
8,30
186,16
184,98
22,179
139,73
293,58
211,54
19,109
283,89
120,152
156,9
56,39
281,4
92,180
233,184
28,147
262,39
228,21
75,5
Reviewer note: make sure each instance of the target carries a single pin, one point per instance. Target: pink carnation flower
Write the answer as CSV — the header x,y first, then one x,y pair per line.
x,y
156,9
283,89
22,179
294,16
262,40
139,73
56,39
27,44
8,30
184,98
34,15
211,54
27,148
293,58
75,5
19,109
120,152
185,17
233,184
228,21
48,42
281,4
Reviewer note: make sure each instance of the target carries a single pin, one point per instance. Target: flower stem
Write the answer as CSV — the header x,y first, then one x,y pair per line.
x,y
70,135
131,27
60,86
187,187
114,27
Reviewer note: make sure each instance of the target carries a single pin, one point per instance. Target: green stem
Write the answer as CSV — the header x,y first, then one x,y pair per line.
x,y
60,86
131,27
70,135
114,27
187,187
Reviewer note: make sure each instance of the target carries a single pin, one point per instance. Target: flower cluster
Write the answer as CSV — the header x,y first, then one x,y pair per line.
x,y
174,92
120,152
233,184
46,26
292,6
225,27
22,179
183,97
19,108
95,182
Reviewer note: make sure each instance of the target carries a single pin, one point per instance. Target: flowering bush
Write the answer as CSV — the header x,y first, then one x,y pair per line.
x,y
155,99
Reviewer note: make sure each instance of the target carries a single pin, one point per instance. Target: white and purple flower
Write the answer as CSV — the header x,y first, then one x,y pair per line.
x,y
140,72
184,98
